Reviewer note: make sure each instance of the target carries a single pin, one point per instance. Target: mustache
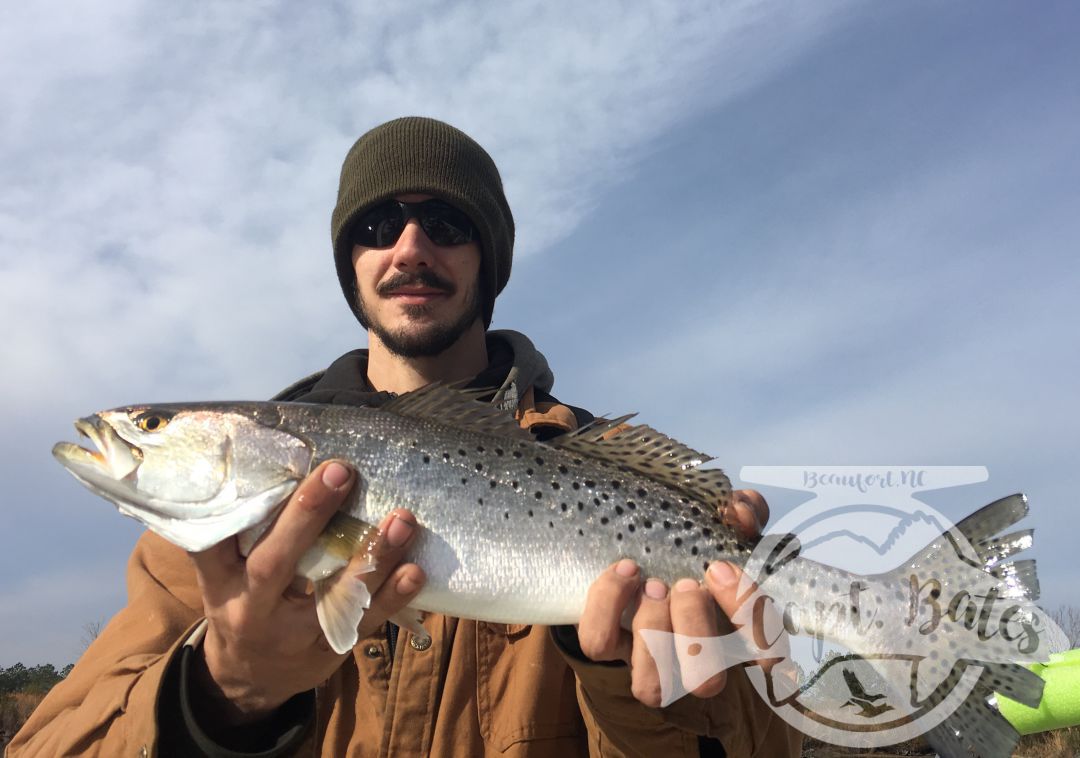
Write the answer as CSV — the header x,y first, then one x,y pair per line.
x,y
421,278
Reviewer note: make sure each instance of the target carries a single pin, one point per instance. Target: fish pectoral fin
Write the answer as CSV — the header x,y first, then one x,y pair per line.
x,y
412,620
340,602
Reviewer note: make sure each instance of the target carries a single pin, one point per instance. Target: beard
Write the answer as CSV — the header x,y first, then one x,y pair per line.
x,y
431,339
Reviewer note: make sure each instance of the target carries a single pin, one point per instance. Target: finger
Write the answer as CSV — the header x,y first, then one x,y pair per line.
x,y
600,631
271,564
218,569
395,534
401,586
693,614
760,622
757,503
653,614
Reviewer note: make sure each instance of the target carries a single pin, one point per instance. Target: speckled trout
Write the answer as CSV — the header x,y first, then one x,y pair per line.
x,y
515,530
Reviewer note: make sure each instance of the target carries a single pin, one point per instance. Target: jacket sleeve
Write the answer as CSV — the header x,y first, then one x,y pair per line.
x,y
106,705
619,725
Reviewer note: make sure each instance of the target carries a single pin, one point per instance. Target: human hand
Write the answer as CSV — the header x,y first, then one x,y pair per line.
x,y
688,609
263,642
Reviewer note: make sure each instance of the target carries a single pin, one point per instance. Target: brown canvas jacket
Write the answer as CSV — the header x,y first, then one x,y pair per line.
x,y
480,689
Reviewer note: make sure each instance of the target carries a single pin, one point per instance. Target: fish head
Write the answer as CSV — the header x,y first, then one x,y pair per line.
x,y
194,474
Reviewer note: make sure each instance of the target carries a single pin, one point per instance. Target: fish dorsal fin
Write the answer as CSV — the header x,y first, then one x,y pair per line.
x,y
451,405
653,454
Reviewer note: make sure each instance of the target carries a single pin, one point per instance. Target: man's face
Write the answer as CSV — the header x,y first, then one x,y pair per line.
x,y
416,297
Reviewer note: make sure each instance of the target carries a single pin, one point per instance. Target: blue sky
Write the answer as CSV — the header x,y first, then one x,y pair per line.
x,y
841,233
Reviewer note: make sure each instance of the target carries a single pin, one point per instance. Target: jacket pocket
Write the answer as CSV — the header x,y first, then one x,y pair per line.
x,y
525,690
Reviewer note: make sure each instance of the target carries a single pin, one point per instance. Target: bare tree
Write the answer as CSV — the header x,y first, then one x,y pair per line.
x,y
1068,618
91,630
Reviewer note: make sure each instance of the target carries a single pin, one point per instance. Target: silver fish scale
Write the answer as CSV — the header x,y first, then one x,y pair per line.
x,y
515,530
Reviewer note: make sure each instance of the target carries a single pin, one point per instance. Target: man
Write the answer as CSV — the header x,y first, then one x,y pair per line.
x,y
217,655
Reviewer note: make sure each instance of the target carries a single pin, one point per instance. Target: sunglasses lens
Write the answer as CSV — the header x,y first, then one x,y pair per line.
x,y
446,225
379,227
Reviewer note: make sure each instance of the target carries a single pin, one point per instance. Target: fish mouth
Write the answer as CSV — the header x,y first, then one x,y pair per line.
x,y
114,459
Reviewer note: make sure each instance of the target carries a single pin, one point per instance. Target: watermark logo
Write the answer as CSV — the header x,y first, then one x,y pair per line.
x,y
867,618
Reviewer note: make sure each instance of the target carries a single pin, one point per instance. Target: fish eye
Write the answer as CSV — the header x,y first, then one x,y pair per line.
x,y
151,421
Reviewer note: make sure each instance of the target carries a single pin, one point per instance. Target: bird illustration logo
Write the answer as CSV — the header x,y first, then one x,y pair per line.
x,y
861,699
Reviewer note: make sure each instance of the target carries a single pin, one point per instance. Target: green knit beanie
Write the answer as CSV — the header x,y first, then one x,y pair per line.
x,y
425,156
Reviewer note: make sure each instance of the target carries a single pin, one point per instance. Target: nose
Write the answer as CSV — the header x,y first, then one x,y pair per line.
x,y
413,247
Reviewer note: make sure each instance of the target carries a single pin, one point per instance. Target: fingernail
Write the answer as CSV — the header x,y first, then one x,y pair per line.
x,y
655,589
685,585
406,585
335,475
398,533
722,573
626,567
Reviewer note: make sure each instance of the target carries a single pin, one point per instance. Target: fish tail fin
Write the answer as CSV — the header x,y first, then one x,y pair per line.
x,y
340,602
976,726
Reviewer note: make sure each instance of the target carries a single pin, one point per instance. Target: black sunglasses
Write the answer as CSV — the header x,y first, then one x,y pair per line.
x,y
444,224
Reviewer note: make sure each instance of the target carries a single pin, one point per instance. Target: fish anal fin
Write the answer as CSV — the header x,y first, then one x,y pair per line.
x,y
458,408
413,621
340,602
652,454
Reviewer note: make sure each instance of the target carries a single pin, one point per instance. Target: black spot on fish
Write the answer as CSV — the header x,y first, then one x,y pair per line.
x,y
604,495
706,532
683,500
479,501
696,511
499,451
461,451
590,483
581,532
716,520
619,509
678,542
563,469
479,466
554,485
493,483
618,535
705,566
577,461
427,459
514,484
528,472
630,528
694,550
834,588
575,485
615,484
446,456
564,506
539,461
640,492
539,495
464,480
688,525
647,523
415,443
604,520
665,505
813,582
667,524
631,504
551,524
530,513
580,505
648,549
596,501
517,453
506,514
479,448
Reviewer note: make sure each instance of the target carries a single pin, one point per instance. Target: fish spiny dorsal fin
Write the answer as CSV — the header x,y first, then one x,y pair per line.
x,y
653,454
456,407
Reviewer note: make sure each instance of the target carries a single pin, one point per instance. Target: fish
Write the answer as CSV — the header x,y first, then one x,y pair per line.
x,y
515,530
